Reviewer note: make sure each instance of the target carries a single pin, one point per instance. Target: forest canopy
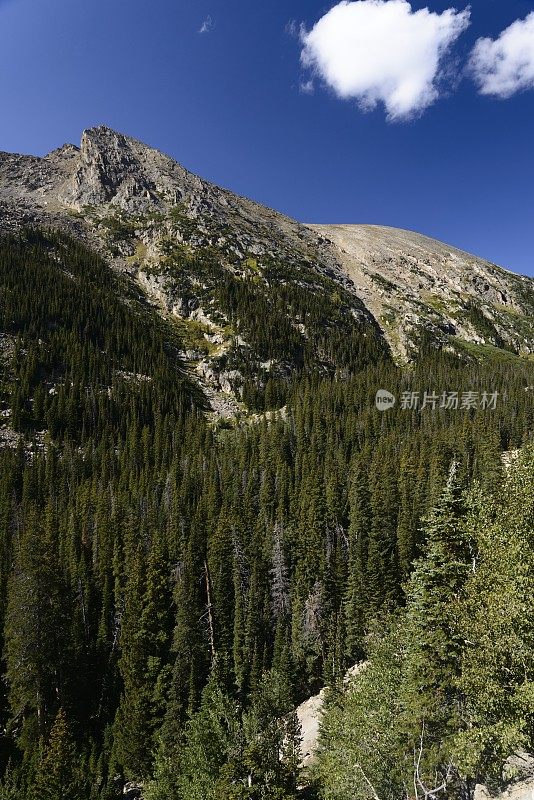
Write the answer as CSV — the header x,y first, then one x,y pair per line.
x,y
171,589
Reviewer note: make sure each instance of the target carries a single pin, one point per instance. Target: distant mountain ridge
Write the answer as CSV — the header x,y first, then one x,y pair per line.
x,y
129,201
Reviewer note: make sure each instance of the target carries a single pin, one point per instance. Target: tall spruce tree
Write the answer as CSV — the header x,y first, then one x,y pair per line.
x,y
37,631
435,595
497,627
356,596
59,775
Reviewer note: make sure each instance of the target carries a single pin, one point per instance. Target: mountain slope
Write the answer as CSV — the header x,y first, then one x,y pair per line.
x,y
409,281
209,259
111,172
172,586
246,290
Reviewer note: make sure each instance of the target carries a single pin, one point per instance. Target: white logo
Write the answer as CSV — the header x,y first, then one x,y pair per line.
x,y
384,400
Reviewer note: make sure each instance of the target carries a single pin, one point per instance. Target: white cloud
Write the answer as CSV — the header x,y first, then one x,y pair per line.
x,y
504,66
380,51
307,87
207,25
292,28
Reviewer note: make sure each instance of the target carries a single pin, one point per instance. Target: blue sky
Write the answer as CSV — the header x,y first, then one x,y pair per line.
x,y
231,105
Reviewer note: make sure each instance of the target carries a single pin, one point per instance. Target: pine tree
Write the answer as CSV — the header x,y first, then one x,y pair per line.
x,y
9,786
435,593
272,735
497,626
131,727
356,599
37,644
206,763
362,745
382,554
58,774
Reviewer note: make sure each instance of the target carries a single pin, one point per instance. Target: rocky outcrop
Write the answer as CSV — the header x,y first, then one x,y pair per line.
x,y
115,169
519,773
523,790
309,714
133,791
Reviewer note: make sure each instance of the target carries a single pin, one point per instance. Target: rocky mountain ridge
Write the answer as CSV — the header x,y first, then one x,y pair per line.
x,y
405,278
113,173
140,208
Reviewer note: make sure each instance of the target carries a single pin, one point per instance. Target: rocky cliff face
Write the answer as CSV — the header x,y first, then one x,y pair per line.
x,y
113,174
135,204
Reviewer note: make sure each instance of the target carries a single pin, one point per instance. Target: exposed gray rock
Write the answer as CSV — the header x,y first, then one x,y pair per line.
x,y
519,774
132,791
228,379
8,437
309,714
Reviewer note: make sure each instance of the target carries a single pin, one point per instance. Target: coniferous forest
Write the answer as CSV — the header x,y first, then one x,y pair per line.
x,y
172,587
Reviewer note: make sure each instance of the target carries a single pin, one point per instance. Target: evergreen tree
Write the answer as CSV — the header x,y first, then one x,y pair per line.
x,y
37,644
497,628
208,761
272,736
58,774
435,594
9,786
356,598
362,747
382,555
130,727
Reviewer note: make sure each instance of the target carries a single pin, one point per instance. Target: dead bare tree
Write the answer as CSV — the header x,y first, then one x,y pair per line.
x,y
209,611
368,782
419,787
421,791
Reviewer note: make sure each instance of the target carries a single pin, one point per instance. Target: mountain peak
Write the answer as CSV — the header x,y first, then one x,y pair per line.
x,y
67,150
104,132
117,169
101,137
132,199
